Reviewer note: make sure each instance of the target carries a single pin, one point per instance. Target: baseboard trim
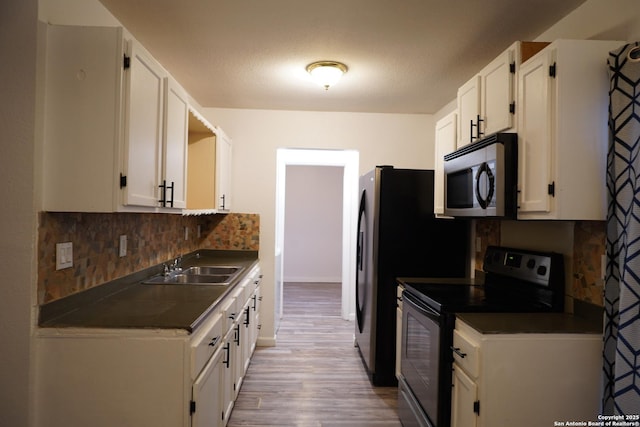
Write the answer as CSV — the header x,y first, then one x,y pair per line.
x,y
266,342
307,279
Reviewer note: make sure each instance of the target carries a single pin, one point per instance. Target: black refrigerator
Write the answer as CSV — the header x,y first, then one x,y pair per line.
x,y
398,236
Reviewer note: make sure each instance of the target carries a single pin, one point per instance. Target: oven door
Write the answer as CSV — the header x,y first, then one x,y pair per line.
x,y
420,355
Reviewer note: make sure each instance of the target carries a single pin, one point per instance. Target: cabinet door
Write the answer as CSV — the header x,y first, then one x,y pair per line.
x,y
497,94
207,396
175,144
535,137
445,143
468,110
255,325
463,398
144,125
223,172
84,68
228,380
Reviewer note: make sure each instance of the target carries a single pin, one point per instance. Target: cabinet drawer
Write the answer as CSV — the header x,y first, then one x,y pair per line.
x,y
465,354
229,312
204,342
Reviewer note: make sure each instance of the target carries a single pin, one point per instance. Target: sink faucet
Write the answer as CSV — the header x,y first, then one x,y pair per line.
x,y
177,263
166,270
175,266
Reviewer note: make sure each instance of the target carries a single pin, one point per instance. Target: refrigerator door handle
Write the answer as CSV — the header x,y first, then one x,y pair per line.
x,y
360,261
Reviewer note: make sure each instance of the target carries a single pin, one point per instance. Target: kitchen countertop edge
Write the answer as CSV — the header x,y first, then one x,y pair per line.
x,y
60,313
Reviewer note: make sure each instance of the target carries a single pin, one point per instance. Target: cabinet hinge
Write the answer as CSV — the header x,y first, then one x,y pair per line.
x,y
476,407
552,70
192,407
512,68
123,181
551,189
512,107
126,62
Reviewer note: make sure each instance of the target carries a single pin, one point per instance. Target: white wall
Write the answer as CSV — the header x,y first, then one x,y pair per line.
x,y
18,221
403,140
313,224
599,20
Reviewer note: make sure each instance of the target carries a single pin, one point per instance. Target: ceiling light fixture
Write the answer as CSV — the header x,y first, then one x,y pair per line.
x,y
326,73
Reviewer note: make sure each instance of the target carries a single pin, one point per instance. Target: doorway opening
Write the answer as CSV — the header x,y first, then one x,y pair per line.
x,y
347,161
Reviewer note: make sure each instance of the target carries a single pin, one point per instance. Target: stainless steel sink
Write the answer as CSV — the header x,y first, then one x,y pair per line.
x,y
212,270
201,275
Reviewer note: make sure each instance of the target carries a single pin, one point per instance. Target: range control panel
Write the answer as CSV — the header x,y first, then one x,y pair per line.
x,y
529,266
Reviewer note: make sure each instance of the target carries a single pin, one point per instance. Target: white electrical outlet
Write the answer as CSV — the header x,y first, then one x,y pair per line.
x,y
123,245
64,255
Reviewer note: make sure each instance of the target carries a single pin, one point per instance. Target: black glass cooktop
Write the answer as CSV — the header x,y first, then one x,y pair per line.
x,y
515,280
453,296
465,295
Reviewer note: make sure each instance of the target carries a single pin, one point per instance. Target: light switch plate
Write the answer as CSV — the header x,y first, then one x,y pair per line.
x,y
123,246
64,255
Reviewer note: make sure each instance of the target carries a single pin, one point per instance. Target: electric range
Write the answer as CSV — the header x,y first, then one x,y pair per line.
x,y
515,281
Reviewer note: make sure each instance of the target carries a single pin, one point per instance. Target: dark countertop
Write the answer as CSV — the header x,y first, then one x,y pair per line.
x,y
530,323
127,303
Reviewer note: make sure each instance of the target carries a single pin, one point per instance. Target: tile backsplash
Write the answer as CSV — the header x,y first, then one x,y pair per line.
x,y
151,239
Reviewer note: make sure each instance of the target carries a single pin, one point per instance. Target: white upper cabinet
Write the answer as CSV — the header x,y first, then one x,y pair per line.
x,y
497,93
469,111
486,103
144,109
445,142
107,102
208,167
223,171
175,145
562,131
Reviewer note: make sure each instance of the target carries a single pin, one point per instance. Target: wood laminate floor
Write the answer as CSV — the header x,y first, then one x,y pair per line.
x,y
314,376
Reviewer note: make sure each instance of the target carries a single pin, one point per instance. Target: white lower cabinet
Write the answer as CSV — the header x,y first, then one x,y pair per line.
x,y
206,401
524,379
147,378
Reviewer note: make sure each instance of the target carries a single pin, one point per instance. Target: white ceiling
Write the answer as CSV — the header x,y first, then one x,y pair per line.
x,y
404,56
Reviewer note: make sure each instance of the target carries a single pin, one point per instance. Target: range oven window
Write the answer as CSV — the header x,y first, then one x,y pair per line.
x,y
420,355
460,189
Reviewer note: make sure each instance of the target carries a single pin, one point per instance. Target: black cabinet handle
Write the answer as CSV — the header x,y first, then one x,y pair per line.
x,y
164,187
471,125
214,341
228,355
457,351
163,193
171,188
478,120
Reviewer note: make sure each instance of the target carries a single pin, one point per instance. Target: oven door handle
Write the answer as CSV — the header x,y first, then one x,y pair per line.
x,y
416,304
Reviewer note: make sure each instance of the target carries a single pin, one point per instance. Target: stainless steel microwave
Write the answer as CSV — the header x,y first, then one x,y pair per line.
x,y
481,179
